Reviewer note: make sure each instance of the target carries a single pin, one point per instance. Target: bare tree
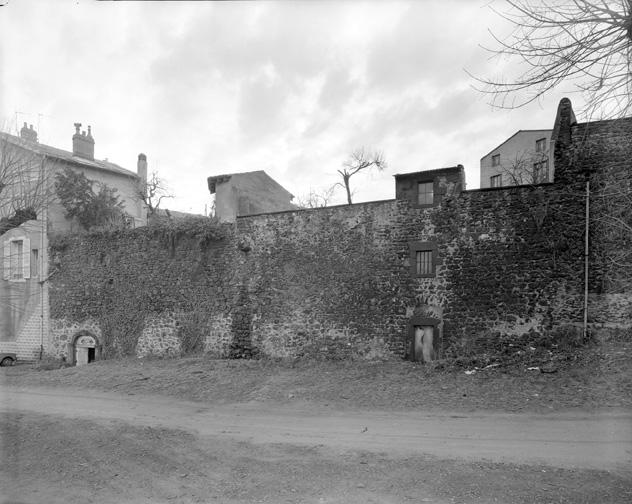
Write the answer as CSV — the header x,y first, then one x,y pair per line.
x,y
316,198
152,192
359,160
586,42
612,200
24,183
527,168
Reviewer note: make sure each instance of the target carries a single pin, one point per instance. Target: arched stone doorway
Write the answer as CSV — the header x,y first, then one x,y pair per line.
x,y
84,349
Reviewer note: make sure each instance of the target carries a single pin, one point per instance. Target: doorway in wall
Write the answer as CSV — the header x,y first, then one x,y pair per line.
x,y
423,349
424,336
84,349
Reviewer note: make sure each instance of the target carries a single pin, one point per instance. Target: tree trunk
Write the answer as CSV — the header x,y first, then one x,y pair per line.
x,y
346,179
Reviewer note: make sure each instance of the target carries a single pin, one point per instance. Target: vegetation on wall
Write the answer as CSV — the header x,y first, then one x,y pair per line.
x,y
17,219
121,284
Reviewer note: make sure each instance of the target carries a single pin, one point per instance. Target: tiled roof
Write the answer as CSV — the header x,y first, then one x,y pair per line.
x,y
53,152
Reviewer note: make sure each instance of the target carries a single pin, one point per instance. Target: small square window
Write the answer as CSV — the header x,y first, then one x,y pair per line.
x,y
496,160
496,181
425,193
540,145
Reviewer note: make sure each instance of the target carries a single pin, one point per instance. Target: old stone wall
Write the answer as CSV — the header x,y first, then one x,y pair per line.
x,y
333,282
341,282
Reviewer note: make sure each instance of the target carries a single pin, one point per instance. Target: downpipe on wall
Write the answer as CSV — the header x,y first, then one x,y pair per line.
x,y
586,242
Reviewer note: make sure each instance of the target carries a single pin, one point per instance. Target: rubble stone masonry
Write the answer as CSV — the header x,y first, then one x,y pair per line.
x,y
340,282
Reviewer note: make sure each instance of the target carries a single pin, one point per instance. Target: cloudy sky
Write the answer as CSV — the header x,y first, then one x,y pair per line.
x,y
290,87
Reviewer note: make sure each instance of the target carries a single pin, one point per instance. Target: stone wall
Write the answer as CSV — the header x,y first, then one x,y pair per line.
x,y
333,282
340,282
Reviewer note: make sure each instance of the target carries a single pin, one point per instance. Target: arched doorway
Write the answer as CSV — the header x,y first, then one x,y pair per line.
x,y
84,349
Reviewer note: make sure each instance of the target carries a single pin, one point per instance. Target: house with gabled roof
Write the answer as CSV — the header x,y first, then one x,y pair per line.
x,y
30,213
248,193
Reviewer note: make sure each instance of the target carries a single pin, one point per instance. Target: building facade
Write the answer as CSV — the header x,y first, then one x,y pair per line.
x,y
524,158
30,213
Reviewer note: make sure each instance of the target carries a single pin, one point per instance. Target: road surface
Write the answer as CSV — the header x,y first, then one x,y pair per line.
x,y
566,440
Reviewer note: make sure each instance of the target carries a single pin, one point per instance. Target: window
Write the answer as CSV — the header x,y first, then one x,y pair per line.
x,y
16,260
34,263
423,262
496,181
540,145
496,160
423,257
541,171
425,193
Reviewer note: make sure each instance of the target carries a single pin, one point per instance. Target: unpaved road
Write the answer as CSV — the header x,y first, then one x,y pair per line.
x,y
566,440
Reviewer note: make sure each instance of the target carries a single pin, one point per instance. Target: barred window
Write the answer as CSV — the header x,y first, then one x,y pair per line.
x,y
423,259
423,262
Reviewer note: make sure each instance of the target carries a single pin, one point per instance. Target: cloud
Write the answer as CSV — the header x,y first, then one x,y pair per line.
x,y
262,107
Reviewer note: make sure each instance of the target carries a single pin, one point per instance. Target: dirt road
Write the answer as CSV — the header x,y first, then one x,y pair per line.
x,y
566,440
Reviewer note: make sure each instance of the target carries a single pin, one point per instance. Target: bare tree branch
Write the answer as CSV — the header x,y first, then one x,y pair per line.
x,y
152,192
316,198
359,160
584,42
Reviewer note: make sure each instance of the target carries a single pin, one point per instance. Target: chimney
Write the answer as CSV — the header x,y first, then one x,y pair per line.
x,y
28,134
141,167
82,144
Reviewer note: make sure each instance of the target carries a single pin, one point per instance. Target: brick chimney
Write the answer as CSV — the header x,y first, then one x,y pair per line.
x,y
28,134
82,144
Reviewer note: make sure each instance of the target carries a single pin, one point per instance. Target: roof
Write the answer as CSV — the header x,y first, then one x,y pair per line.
x,y
434,171
69,157
258,174
516,133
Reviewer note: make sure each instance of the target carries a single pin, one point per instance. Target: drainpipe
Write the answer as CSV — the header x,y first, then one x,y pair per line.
x,y
586,259
43,251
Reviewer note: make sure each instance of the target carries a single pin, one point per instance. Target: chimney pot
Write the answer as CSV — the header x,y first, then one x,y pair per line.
x,y
28,134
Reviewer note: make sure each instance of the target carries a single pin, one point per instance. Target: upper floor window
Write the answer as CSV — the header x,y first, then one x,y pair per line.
x,y
425,193
541,171
17,259
496,181
540,145
496,160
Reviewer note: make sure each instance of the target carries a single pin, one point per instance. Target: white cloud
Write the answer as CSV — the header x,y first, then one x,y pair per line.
x,y
291,87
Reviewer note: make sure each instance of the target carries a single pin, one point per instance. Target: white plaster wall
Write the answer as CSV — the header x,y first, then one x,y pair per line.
x,y
521,144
